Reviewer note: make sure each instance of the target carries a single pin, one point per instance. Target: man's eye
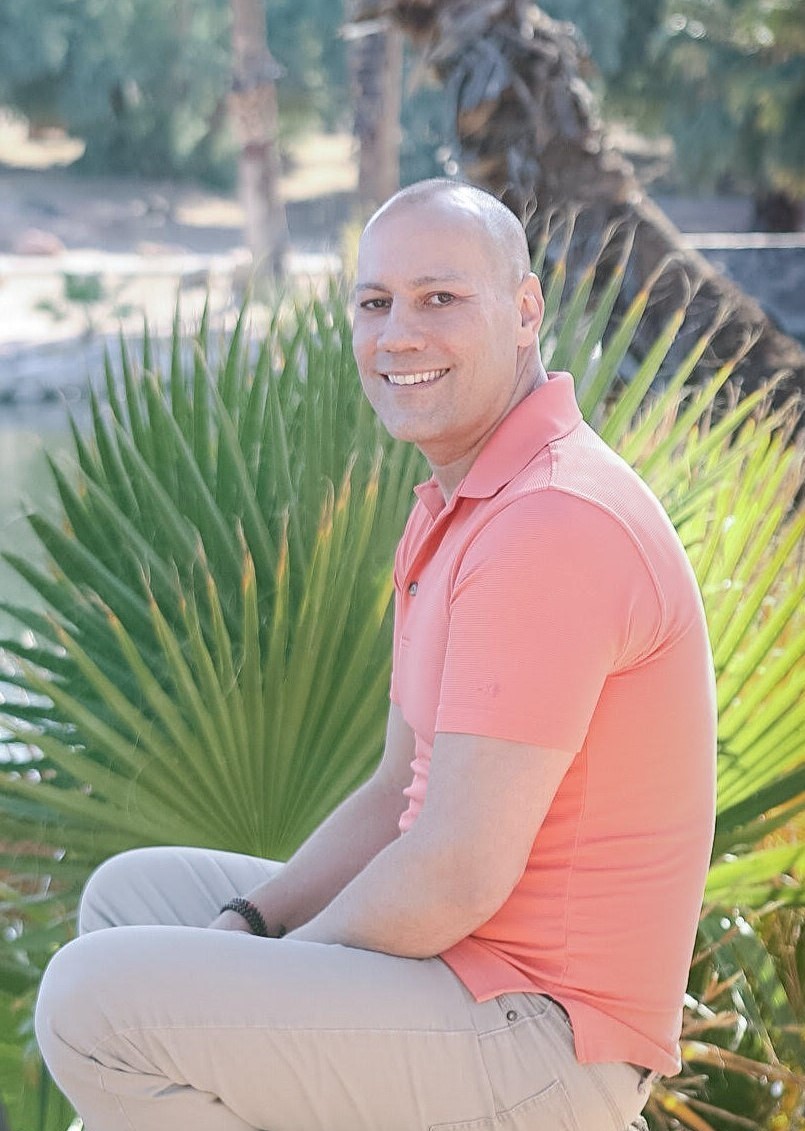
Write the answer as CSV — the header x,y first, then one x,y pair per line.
x,y
441,298
374,304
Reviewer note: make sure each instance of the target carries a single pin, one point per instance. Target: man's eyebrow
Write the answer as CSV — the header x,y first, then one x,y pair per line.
x,y
429,280
419,281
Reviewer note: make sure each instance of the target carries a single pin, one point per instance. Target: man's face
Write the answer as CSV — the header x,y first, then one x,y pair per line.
x,y
441,327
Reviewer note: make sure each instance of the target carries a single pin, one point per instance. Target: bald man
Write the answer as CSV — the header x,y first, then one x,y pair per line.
x,y
495,930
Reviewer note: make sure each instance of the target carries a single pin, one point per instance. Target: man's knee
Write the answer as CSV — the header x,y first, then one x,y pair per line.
x,y
67,998
107,895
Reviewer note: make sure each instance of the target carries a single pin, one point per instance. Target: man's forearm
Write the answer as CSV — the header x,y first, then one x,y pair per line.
x,y
410,900
336,852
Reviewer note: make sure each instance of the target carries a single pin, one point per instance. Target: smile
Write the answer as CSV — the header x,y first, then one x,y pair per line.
x,y
420,378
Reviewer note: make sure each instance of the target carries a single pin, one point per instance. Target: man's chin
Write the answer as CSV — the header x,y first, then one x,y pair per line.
x,y
408,433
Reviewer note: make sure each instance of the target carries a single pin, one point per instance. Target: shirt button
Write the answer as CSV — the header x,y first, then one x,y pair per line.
x,y
412,588
511,1015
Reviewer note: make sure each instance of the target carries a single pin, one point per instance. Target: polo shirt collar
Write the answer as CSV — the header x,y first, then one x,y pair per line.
x,y
545,415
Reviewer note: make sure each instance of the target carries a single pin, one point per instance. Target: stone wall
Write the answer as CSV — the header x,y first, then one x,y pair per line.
x,y
769,267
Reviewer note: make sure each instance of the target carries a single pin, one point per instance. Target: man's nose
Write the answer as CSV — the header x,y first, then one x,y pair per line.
x,y
401,329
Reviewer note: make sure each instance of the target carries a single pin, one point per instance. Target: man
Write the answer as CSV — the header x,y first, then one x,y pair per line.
x,y
495,930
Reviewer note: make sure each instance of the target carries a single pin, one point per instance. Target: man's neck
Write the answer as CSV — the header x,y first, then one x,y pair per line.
x,y
449,475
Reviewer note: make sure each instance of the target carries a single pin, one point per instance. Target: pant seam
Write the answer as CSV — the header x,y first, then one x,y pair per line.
x,y
116,1099
606,1095
261,1028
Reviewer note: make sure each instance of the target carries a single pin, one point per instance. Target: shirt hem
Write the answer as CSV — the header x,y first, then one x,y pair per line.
x,y
620,1042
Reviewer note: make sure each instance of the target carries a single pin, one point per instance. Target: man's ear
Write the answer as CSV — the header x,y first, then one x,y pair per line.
x,y
532,308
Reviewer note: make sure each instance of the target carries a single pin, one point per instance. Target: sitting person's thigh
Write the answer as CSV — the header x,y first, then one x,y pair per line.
x,y
170,885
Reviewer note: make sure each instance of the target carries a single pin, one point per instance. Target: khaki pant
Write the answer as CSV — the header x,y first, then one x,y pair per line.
x,y
166,1026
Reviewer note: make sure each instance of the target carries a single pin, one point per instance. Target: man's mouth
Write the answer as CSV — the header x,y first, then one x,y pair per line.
x,y
421,377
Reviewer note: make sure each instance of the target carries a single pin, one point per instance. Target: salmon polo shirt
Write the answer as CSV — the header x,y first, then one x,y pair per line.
x,y
550,602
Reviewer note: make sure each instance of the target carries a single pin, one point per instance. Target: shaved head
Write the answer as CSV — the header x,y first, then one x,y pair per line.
x,y
504,236
446,320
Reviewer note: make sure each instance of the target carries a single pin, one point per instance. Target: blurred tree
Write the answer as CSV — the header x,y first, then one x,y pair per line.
x,y
376,56
253,103
604,27
305,39
145,82
726,80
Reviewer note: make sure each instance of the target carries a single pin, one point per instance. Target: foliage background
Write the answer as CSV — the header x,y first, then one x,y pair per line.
x,y
145,83
725,78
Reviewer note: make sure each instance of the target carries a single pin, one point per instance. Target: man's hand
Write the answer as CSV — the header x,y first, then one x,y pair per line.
x,y
340,848
230,921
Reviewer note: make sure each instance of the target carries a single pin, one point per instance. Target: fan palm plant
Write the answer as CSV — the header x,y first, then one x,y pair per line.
x,y
212,663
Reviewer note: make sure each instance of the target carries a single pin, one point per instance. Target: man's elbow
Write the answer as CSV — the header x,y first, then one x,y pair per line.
x,y
485,894
472,894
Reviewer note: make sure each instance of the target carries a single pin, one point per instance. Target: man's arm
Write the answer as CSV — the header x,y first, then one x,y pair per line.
x,y
460,860
341,846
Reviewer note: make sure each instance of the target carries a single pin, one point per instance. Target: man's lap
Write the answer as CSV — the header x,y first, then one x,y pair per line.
x,y
290,1034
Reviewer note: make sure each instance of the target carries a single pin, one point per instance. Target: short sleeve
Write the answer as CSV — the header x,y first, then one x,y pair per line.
x,y
551,598
394,691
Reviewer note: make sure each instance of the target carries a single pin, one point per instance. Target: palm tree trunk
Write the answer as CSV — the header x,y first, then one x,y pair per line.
x,y
253,105
376,58
527,130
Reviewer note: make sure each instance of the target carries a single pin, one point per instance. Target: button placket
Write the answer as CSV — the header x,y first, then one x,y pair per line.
x,y
426,551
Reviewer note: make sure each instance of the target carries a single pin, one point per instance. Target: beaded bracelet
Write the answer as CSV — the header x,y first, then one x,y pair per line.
x,y
247,910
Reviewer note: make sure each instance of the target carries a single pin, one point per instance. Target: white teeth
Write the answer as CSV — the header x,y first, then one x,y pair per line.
x,y
415,378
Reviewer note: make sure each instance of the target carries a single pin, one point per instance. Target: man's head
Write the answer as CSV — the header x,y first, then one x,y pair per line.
x,y
446,319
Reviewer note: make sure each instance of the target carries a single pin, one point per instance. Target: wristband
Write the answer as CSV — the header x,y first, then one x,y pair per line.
x,y
251,914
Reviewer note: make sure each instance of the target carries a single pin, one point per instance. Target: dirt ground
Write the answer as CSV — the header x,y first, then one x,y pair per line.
x,y
82,257
40,194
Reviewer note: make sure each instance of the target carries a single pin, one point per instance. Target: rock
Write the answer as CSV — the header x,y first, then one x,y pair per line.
x,y
36,241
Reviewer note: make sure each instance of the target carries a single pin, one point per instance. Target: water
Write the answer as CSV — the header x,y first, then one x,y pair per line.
x,y
26,436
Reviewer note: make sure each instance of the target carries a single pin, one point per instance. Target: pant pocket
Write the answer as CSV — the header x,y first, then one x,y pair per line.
x,y
548,1110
